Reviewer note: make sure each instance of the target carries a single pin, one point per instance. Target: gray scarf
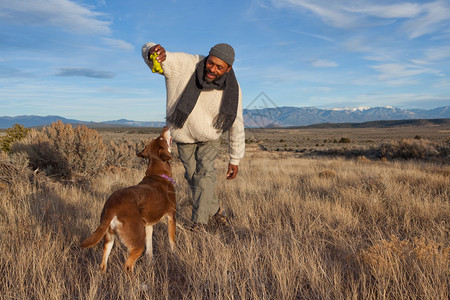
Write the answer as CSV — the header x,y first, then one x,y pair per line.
x,y
187,101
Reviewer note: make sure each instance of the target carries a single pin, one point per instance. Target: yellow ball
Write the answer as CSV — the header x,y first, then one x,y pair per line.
x,y
156,65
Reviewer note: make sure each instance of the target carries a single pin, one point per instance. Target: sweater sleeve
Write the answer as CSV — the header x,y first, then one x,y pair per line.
x,y
175,64
236,135
145,50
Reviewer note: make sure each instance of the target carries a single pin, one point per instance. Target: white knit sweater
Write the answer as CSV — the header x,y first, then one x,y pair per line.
x,y
178,69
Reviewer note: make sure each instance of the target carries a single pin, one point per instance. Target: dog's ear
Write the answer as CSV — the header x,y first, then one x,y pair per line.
x,y
145,152
164,154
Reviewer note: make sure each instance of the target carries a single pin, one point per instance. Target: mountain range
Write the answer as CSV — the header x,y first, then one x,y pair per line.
x,y
38,121
304,116
265,117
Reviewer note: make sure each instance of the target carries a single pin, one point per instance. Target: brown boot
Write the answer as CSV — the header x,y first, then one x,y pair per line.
x,y
221,220
197,227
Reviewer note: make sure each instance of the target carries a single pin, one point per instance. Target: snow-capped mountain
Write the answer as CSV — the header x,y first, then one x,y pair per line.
x,y
302,116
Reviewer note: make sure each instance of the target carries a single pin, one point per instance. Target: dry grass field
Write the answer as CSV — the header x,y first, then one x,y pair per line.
x,y
307,224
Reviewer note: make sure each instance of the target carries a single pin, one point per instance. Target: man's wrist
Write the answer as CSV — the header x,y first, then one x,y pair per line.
x,y
146,50
234,162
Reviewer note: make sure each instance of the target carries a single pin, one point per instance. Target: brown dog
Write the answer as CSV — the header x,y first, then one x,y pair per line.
x,y
130,213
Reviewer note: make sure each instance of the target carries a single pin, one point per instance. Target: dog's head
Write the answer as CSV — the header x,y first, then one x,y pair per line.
x,y
159,148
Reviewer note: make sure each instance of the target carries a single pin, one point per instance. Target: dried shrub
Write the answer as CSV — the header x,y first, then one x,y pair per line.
x,y
444,149
348,152
14,173
410,149
344,140
8,171
123,154
63,151
14,134
362,159
327,174
404,149
399,263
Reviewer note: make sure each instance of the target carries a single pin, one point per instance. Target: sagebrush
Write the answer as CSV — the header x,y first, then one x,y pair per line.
x,y
14,134
303,228
67,152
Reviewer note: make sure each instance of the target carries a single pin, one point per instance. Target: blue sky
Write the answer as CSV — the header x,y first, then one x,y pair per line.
x,y
82,59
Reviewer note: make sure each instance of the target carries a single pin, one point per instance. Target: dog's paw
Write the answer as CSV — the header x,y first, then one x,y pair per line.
x,y
103,268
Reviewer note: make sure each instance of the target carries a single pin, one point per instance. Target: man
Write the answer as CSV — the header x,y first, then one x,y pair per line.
x,y
204,100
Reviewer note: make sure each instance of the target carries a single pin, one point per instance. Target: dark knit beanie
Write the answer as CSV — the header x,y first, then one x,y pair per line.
x,y
224,52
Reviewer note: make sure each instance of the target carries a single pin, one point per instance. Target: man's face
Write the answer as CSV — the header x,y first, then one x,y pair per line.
x,y
215,68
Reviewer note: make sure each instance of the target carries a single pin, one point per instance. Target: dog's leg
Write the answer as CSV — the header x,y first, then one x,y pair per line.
x,y
108,244
133,256
172,226
149,241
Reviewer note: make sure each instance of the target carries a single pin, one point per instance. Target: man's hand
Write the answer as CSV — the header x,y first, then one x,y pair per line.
x,y
232,171
160,51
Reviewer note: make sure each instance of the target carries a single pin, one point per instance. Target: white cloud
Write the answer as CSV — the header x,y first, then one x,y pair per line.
x,y
321,37
433,56
402,82
373,49
118,44
399,10
84,72
329,12
397,71
321,63
358,44
438,53
63,14
442,84
376,57
420,62
417,19
401,99
317,89
435,15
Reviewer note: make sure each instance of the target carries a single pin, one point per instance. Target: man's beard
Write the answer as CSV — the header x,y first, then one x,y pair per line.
x,y
211,80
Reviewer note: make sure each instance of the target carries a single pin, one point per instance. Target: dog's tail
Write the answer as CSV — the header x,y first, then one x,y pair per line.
x,y
99,233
